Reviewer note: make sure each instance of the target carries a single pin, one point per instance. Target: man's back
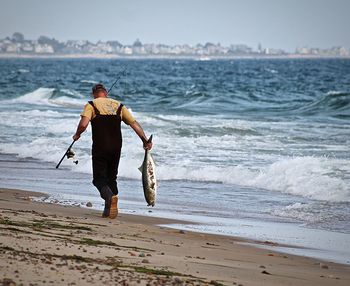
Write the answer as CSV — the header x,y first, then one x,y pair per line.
x,y
107,106
106,131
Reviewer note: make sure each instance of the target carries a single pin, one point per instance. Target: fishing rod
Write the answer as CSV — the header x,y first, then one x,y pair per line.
x,y
69,153
123,72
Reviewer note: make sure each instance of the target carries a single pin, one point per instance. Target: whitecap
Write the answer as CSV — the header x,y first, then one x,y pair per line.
x,y
336,92
23,70
38,96
89,81
47,97
272,71
308,177
72,92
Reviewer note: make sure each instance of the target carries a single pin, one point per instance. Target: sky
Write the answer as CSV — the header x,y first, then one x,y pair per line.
x,y
285,24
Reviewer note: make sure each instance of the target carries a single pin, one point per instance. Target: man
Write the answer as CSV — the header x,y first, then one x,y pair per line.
x,y
106,115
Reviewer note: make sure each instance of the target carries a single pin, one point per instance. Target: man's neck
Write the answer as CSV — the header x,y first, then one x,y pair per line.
x,y
100,95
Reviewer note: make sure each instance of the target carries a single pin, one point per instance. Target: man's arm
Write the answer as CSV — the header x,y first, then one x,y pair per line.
x,y
139,131
83,124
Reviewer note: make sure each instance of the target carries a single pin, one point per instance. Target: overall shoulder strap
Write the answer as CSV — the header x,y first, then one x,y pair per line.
x,y
96,110
119,110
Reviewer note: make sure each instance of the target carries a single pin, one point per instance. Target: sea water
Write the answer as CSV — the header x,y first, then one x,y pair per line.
x,y
254,148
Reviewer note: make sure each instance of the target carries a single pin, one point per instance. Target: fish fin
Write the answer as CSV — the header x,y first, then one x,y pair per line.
x,y
153,159
140,168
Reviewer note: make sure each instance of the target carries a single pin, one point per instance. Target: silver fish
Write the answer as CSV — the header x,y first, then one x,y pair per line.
x,y
149,180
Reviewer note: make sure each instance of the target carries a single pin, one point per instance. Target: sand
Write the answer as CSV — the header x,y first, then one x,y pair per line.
x,y
49,244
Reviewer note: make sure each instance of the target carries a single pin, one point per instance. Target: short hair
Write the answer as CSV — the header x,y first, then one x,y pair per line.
x,y
98,87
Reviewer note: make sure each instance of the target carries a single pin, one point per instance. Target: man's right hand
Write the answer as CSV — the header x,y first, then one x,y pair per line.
x,y
83,124
76,137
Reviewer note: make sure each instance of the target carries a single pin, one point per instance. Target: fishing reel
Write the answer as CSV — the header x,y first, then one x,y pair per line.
x,y
70,155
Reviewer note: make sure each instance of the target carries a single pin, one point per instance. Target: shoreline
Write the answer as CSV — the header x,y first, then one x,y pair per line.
x,y
290,236
167,57
75,246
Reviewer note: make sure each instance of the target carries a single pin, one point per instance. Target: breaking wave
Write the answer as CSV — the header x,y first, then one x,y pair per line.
x,y
88,81
51,97
310,177
333,103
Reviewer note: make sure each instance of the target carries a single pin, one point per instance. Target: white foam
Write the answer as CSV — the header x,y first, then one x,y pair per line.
x,y
38,96
271,70
44,96
302,176
37,113
237,159
67,126
300,211
72,92
68,101
88,81
336,92
311,177
23,70
43,149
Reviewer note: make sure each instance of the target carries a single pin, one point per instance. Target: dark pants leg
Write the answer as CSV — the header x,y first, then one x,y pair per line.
x,y
112,172
105,170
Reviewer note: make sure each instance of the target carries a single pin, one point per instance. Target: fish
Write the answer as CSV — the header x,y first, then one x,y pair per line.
x,y
149,181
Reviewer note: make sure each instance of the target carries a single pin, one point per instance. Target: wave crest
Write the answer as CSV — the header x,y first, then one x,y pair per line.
x,y
311,177
51,97
333,102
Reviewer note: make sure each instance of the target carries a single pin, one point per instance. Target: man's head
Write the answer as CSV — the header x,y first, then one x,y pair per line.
x,y
98,90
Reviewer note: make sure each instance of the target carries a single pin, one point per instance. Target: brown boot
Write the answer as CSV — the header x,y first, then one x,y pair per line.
x,y
105,213
113,209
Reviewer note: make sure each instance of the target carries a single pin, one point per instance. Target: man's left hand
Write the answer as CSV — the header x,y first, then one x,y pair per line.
x,y
147,145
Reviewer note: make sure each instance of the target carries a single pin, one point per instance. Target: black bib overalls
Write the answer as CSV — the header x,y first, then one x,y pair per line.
x,y
106,147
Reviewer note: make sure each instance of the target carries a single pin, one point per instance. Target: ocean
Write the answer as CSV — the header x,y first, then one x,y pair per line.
x,y
257,148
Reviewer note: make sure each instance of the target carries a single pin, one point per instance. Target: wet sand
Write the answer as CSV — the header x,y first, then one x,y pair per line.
x,y
49,244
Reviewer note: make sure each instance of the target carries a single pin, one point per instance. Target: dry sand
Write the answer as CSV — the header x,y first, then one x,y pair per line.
x,y
48,244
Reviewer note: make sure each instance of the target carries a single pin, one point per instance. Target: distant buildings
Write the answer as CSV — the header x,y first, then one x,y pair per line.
x,y
18,45
335,51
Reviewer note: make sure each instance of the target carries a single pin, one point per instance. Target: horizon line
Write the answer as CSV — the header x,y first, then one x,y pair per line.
x,y
259,43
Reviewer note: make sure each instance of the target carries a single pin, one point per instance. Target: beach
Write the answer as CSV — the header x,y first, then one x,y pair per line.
x,y
50,244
